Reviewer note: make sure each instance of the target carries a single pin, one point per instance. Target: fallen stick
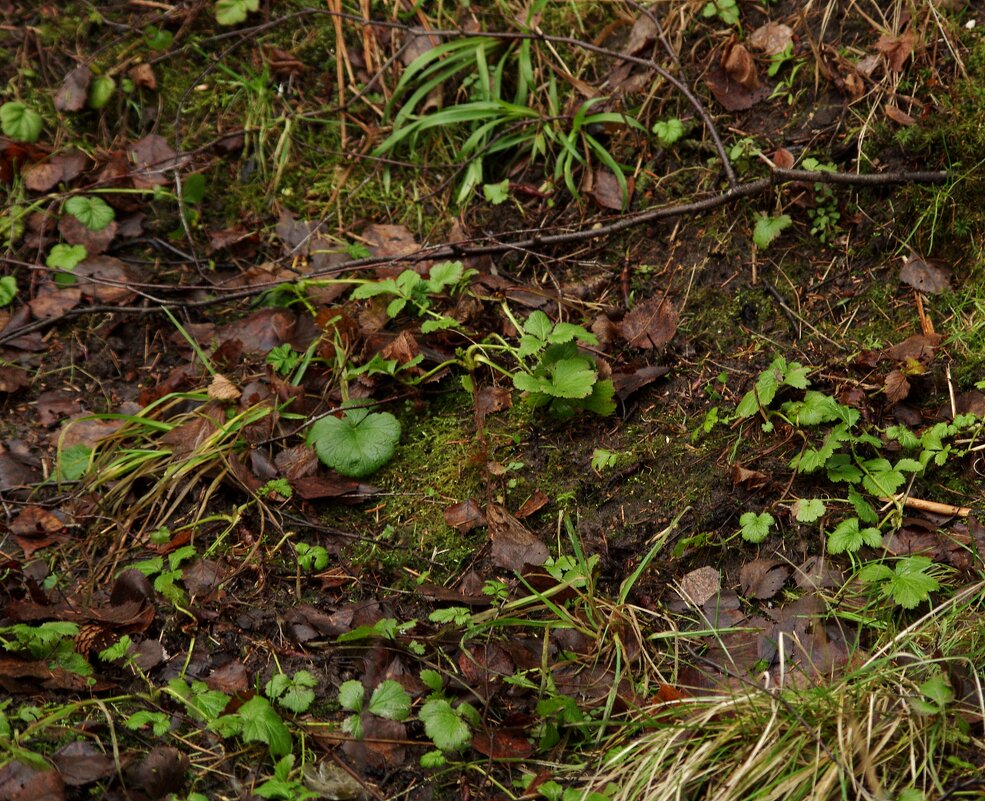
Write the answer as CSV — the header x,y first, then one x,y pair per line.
x,y
929,506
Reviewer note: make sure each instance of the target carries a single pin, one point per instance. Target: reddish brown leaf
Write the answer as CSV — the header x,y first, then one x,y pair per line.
x,y
81,763
480,663
231,678
651,324
62,168
606,190
750,479
533,504
464,516
382,747
16,470
143,75
95,242
34,521
501,744
924,277
490,400
896,50
897,115
763,578
817,573
919,348
390,241
330,486
513,546
731,94
404,348
783,159
740,67
105,279
896,386
152,158
159,773
204,577
74,90
13,379
297,462
20,782
52,302
628,383
261,331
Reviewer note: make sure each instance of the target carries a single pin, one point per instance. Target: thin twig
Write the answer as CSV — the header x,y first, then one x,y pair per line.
x,y
535,241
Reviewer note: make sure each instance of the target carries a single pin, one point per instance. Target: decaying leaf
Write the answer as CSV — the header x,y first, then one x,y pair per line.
x,y
896,49
222,389
771,38
74,90
700,585
464,516
896,386
924,277
763,578
513,546
651,324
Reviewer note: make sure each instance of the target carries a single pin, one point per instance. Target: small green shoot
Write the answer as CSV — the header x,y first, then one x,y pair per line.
x,y
8,290
769,228
65,258
668,131
726,10
100,91
294,693
389,700
497,193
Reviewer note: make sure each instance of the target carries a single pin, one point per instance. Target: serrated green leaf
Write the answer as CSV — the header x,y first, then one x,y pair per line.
x,y
849,536
20,122
668,131
373,288
444,725
767,229
159,722
432,679
439,324
93,212
529,345
262,724
875,571
938,690
65,257
529,383
796,376
840,467
353,726
807,511
497,193
908,466
444,275
602,400
755,527
572,378
433,759
351,695
814,409
358,444
863,508
233,12
566,332
390,700
910,584
539,324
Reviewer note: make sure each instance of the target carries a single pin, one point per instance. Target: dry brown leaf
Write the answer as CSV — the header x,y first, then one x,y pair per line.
x,y
700,585
95,242
896,386
763,578
105,279
771,38
897,115
740,67
924,277
784,159
464,516
222,389
513,546
750,479
13,379
74,90
152,158
896,50
606,190
82,763
143,75
651,324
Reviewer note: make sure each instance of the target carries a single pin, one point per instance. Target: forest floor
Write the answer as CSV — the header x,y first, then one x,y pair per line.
x,y
503,401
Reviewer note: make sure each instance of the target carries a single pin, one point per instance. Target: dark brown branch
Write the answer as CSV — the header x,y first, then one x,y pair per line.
x,y
531,242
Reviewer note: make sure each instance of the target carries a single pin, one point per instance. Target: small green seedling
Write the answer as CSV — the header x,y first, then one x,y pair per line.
x,y
233,12
909,584
756,527
294,693
668,131
93,212
769,228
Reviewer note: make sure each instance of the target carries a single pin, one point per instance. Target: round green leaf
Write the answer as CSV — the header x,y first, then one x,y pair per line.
x,y
19,122
8,290
351,695
358,444
93,212
100,91
444,725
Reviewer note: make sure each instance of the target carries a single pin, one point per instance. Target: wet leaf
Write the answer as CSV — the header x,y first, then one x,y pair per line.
x,y
358,444
896,49
513,546
771,38
763,578
160,773
82,763
21,782
464,516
